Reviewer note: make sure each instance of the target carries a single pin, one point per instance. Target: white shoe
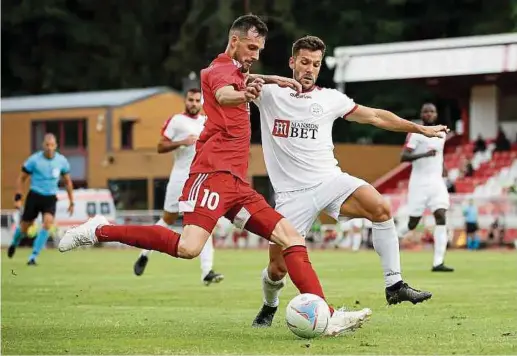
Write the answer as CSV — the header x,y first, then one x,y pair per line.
x,y
343,321
82,235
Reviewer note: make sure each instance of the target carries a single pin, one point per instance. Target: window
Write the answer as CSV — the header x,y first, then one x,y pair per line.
x,y
129,194
160,188
126,134
70,134
105,209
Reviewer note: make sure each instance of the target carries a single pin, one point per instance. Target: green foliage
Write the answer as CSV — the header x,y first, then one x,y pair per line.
x,y
78,45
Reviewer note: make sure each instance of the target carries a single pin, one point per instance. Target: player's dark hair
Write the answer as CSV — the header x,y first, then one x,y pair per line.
x,y
311,43
247,22
193,91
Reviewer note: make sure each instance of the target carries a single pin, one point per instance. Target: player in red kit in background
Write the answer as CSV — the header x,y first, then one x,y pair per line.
x,y
217,183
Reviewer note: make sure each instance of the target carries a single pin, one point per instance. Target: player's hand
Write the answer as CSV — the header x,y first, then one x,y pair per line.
x,y
435,131
431,153
70,209
285,82
253,89
190,140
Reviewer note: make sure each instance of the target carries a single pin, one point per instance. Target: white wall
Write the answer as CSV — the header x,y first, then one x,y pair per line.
x,y
483,111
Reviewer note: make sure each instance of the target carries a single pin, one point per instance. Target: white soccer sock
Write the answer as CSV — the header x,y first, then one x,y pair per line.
x,y
160,222
357,238
402,230
207,257
440,244
386,244
271,289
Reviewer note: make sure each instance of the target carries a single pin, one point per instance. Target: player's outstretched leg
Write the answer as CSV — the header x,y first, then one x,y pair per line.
x,y
166,221
299,267
368,203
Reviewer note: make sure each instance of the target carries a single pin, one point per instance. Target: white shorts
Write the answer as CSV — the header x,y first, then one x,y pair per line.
x,y
302,207
172,195
434,197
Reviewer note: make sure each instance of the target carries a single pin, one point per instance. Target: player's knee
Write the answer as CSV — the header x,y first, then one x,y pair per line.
x,y
381,212
277,269
440,217
187,250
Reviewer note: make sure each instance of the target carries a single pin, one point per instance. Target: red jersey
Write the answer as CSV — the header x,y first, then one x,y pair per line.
x,y
225,141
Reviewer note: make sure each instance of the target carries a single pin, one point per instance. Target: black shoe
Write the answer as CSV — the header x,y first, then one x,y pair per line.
x,y
11,251
442,268
212,277
140,264
264,318
32,263
403,292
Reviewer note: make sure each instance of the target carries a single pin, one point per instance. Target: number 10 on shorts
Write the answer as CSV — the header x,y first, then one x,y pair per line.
x,y
210,199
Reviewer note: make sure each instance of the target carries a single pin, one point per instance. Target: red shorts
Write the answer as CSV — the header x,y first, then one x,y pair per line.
x,y
206,197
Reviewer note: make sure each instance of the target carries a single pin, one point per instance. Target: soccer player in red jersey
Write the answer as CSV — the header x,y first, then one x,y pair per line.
x,y
217,183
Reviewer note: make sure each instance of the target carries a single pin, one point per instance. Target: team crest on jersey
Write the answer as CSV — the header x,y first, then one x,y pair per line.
x,y
286,128
316,109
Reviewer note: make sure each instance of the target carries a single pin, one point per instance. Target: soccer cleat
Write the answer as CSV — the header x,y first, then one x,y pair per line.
x,y
343,321
212,277
264,318
442,268
10,251
140,265
406,293
82,235
31,263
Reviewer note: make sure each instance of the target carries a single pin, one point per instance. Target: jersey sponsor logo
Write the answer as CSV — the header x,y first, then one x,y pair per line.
x,y
285,129
300,96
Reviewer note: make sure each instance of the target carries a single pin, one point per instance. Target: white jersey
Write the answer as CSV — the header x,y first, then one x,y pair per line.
x,y
297,135
177,128
426,170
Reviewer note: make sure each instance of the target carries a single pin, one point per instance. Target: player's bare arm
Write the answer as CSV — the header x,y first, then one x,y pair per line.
x,y
165,145
20,184
389,121
228,96
408,155
69,186
283,82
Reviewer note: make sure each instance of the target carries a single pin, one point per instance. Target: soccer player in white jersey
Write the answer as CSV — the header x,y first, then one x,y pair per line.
x,y
298,152
427,188
179,134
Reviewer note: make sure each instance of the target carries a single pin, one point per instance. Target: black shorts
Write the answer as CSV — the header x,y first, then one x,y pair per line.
x,y
471,227
36,203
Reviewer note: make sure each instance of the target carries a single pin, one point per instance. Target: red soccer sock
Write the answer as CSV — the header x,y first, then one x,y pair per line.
x,y
152,237
301,272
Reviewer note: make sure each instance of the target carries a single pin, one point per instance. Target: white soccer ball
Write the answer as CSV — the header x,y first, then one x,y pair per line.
x,y
307,316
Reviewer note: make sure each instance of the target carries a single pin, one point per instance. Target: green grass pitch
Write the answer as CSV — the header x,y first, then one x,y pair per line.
x,y
89,302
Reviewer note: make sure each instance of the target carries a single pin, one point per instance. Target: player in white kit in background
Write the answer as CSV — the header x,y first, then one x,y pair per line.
x,y
179,134
427,188
298,152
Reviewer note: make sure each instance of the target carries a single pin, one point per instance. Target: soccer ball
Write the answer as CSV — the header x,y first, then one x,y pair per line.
x,y
307,316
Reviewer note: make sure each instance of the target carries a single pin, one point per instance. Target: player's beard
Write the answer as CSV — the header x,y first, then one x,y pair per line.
x,y
193,111
307,81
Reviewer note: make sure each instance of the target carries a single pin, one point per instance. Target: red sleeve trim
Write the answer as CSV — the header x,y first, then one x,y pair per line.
x,y
407,142
165,125
351,111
